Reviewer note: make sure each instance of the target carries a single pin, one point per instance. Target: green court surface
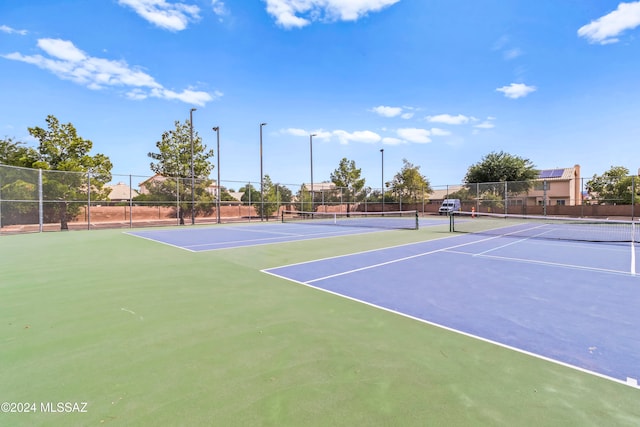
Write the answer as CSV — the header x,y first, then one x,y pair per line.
x,y
148,334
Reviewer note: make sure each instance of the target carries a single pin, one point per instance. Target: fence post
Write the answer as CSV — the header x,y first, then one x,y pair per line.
x,y
89,199
130,203
0,202
40,202
633,196
544,197
582,197
506,199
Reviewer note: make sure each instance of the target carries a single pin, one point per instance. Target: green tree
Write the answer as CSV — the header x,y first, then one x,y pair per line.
x,y
272,199
61,149
497,168
303,199
173,161
409,185
225,196
347,177
250,195
16,153
284,193
17,182
615,186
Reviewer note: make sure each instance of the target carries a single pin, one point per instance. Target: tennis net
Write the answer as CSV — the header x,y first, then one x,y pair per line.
x,y
407,220
545,227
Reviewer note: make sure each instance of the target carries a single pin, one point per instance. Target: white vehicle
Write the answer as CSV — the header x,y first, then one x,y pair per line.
x,y
448,206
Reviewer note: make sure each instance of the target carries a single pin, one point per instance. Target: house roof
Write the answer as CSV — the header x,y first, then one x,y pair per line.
x,y
121,191
320,186
441,194
559,173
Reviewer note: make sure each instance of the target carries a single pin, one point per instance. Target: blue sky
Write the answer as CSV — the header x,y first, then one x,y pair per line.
x,y
438,82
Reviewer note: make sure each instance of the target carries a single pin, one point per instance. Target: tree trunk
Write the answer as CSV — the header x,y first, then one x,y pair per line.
x,y
63,215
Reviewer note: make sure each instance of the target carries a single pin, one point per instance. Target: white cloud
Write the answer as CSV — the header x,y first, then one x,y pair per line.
x,y
344,137
295,132
420,136
62,49
439,132
219,9
163,14
321,134
317,134
605,29
70,63
485,125
449,119
384,111
503,45
516,90
387,140
387,111
288,12
512,53
9,30
365,136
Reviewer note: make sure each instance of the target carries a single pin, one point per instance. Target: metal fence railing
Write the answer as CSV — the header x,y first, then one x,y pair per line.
x,y
43,200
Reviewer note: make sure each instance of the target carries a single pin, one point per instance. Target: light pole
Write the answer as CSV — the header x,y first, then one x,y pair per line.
x,y
311,153
179,218
193,176
217,130
261,177
382,178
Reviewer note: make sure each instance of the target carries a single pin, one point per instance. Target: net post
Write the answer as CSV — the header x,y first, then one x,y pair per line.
x,y
451,227
417,220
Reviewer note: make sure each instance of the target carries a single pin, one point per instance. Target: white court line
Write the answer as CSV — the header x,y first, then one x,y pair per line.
x,y
304,239
261,239
337,233
630,381
158,241
248,230
633,258
548,263
397,260
514,242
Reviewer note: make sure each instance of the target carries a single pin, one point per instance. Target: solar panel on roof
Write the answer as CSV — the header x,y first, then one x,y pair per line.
x,y
551,173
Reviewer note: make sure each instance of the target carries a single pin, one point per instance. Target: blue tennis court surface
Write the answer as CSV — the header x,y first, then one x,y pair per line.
x,y
573,303
263,233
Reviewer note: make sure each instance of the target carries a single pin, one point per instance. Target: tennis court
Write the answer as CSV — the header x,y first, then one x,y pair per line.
x,y
573,303
294,227
194,325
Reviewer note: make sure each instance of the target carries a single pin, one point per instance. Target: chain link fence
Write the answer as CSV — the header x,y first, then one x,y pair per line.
x,y
33,200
